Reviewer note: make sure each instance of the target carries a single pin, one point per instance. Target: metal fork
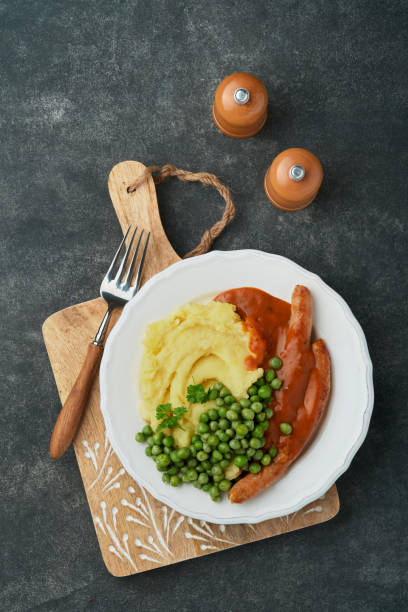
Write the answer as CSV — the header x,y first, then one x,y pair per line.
x,y
116,293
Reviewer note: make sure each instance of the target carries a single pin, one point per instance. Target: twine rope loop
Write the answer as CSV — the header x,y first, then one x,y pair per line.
x,y
160,173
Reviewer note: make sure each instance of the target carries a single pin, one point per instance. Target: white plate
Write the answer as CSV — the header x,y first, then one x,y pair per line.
x,y
199,279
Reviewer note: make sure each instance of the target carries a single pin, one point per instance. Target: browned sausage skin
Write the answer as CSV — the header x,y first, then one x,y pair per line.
x,y
303,397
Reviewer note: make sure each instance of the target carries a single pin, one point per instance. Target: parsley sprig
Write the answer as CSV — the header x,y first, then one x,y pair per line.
x,y
169,416
196,394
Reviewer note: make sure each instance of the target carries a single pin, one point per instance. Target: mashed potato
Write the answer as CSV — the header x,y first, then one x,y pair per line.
x,y
195,344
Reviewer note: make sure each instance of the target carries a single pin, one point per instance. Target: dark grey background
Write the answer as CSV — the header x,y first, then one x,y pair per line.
x,y
87,84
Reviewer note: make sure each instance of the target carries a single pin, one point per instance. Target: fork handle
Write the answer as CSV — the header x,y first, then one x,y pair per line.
x,y
70,416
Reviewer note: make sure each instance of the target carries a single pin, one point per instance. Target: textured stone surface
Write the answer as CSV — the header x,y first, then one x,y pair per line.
x,y
87,84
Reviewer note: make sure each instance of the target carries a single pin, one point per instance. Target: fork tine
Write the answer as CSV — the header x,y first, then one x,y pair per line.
x,y
141,264
124,260
116,257
132,264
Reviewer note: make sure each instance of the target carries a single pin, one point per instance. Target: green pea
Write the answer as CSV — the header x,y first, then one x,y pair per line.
x,y
213,414
255,399
156,449
269,413
213,394
244,443
218,386
216,456
254,468
250,425
213,440
223,447
140,437
265,392
192,475
147,430
206,465
219,402
202,428
264,425
198,445
235,424
258,455
260,417
242,430
273,451
184,469
192,463
203,479
185,478
174,456
206,487
216,498
148,451
173,470
205,435
213,426
224,463
166,478
223,424
255,443
235,444
218,478
266,459
286,428
245,403
222,436
224,392
237,407
252,390
275,362
195,438
250,452
207,448
179,464
204,417
175,481
229,400
230,432
184,452
228,456
217,470
158,438
257,407
270,375
166,450
161,467
232,415
240,461
168,441
196,484
258,431
199,468
224,485
248,414
150,441
163,459
222,412
276,383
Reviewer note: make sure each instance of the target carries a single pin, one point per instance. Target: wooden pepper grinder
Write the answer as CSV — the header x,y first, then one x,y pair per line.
x,y
240,105
293,179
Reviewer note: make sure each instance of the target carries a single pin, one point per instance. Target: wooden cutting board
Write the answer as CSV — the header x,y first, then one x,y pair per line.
x,y
135,532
